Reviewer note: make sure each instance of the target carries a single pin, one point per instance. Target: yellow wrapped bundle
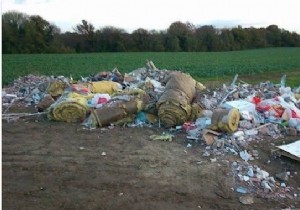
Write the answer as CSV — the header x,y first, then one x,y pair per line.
x,y
70,108
225,120
183,82
174,106
171,114
109,87
57,88
117,111
196,111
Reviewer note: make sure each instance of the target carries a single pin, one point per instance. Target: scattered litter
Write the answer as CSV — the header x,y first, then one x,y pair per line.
x,y
163,137
259,181
246,199
206,154
210,136
252,132
282,176
246,178
16,116
282,185
242,190
245,155
192,138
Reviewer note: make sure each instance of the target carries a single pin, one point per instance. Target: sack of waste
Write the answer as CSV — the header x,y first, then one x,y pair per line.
x,y
70,107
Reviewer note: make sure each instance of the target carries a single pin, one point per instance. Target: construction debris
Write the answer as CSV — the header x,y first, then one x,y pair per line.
x,y
163,137
225,120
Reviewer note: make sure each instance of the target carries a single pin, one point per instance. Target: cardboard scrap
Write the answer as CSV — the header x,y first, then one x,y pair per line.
x,y
210,136
290,150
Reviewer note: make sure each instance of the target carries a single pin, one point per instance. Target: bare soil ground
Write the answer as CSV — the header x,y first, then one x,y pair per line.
x,y
53,165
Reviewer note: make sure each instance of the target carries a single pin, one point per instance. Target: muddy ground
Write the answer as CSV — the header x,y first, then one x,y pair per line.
x,y
54,165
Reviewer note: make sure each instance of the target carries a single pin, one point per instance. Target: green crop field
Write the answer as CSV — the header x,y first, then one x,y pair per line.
x,y
253,64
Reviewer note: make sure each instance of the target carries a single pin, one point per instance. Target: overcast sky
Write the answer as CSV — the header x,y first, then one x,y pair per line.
x,y
159,14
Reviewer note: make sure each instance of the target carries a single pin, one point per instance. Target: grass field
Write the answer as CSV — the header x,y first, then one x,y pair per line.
x,y
257,65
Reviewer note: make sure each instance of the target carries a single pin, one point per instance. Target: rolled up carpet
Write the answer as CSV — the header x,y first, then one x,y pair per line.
x,y
71,107
225,120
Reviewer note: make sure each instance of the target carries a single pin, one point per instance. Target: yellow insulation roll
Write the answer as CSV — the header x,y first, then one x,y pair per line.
x,y
200,86
174,106
109,87
56,88
196,111
173,113
70,108
225,120
116,111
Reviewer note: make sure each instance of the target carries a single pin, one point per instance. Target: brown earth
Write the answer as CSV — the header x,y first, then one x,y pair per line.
x,y
53,165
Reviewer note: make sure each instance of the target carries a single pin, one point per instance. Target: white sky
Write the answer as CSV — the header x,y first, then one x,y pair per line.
x,y
159,14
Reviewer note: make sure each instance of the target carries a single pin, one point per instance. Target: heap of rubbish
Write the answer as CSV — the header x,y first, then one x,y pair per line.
x,y
226,119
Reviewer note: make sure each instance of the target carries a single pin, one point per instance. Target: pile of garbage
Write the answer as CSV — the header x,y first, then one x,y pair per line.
x,y
256,181
226,119
233,113
111,98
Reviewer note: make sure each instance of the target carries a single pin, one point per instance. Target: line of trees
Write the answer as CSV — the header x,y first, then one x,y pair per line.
x,y
22,33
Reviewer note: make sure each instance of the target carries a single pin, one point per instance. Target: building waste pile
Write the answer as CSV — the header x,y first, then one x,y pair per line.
x,y
225,119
